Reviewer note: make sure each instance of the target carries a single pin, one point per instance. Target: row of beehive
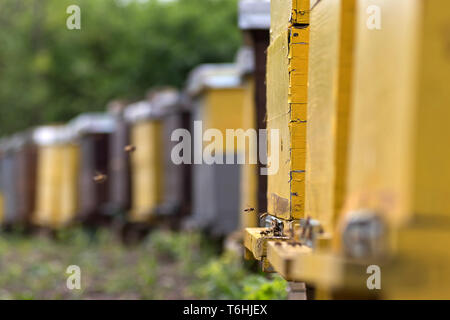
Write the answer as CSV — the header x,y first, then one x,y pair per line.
x,y
358,90
119,164
53,176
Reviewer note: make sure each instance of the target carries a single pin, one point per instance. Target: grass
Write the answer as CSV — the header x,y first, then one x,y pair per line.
x,y
166,265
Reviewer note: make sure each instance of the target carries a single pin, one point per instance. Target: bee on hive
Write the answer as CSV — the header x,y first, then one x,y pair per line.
x,y
130,148
100,178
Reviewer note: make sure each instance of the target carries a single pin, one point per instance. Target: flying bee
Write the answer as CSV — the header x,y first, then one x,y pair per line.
x,y
100,178
129,148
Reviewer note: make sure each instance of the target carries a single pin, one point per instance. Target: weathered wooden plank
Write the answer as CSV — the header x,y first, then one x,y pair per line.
x,y
256,242
287,13
282,255
249,172
287,79
330,87
399,168
398,165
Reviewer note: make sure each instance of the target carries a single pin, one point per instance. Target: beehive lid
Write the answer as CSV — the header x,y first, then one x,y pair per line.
x,y
213,76
116,107
53,135
245,60
15,142
138,111
164,101
254,14
87,123
4,144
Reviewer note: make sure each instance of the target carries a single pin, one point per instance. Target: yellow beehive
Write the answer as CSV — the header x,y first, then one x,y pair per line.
x,y
328,109
399,163
249,173
287,79
224,110
221,97
287,13
396,167
329,90
57,177
218,103
399,166
147,168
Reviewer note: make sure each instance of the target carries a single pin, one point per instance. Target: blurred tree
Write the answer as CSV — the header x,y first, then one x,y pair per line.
x,y
49,73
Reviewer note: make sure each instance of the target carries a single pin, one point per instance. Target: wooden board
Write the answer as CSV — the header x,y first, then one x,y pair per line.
x,y
217,188
287,73
329,90
224,109
399,166
146,170
281,255
326,271
432,167
249,173
233,108
287,13
420,273
255,242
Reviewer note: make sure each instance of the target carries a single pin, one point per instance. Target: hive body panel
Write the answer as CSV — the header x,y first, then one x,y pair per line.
x,y
331,60
287,74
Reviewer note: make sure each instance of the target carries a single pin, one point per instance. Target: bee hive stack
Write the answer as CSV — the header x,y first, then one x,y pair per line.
x,y
328,109
93,132
254,21
174,117
18,176
217,100
329,91
146,162
26,177
120,149
287,77
9,181
398,157
57,177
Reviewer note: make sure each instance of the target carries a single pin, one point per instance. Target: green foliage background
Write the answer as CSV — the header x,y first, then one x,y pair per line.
x,y
166,265
50,74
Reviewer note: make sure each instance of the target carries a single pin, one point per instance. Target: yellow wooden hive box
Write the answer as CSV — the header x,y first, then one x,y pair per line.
x,y
329,110
287,79
57,177
399,162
